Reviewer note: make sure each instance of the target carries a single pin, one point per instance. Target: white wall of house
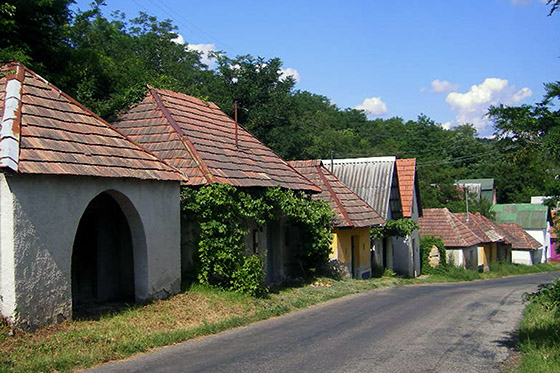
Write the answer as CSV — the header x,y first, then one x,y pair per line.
x,y
521,257
39,218
543,236
463,257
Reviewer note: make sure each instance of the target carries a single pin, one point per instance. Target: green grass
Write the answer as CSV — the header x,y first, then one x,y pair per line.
x,y
539,333
199,311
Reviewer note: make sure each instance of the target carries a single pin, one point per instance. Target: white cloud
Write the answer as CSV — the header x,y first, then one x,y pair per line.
x,y
204,50
284,73
443,86
446,125
179,39
373,106
472,106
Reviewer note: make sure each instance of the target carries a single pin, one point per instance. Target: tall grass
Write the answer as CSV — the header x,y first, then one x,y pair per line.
x,y
539,332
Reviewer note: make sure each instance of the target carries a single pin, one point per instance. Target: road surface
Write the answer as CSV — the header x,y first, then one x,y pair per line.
x,y
460,327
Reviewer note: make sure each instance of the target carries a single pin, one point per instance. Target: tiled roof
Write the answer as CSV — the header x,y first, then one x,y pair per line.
x,y
442,223
520,239
483,227
374,179
44,131
196,137
527,215
350,209
406,172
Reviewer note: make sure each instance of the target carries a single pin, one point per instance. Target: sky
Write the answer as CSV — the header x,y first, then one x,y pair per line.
x,y
447,59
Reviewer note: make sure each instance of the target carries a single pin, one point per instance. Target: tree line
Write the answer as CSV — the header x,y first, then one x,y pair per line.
x,y
105,62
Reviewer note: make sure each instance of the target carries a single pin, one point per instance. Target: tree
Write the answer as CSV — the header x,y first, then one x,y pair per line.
x,y
35,32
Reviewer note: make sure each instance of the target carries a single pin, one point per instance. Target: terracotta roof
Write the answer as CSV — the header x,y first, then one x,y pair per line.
x,y
520,239
350,209
484,228
406,172
196,137
442,223
44,131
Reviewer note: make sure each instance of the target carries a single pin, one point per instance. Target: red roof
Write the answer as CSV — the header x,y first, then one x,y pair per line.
x,y
520,239
196,137
483,227
406,173
350,209
45,131
442,223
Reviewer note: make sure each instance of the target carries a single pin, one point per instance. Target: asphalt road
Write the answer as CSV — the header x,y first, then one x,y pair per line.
x,y
465,327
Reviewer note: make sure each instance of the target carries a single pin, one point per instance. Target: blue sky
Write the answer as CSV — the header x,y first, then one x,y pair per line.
x,y
448,59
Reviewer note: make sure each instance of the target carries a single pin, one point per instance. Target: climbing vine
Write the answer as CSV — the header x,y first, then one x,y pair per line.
x,y
426,244
394,228
222,212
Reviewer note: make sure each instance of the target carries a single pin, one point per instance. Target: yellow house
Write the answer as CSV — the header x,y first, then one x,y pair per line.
x,y
351,245
495,245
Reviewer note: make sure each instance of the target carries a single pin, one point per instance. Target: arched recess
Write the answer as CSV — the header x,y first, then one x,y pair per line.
x,y
109,258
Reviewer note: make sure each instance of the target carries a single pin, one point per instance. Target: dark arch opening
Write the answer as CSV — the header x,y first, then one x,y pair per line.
x,y
102,259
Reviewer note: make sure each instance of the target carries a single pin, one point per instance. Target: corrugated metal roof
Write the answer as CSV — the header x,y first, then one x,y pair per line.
x,y
527,215
374,179
45,131
486,184
351,210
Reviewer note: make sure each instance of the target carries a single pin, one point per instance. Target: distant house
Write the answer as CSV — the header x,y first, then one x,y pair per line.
x,y
483,188
408,261
354,217
200,140
86,216
496,243
524,246
534,219
459,240
375,180
554,253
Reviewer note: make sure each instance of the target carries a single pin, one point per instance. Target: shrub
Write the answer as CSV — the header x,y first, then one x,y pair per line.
x,y
222,212
426,244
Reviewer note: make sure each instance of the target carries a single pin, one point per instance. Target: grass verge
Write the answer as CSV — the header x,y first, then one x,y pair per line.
x,y
539,332
199,311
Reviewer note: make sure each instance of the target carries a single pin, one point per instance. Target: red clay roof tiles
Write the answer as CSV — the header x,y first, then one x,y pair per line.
x,y
350,209
406,173
442,223
483,227
199,139
520,239
55,134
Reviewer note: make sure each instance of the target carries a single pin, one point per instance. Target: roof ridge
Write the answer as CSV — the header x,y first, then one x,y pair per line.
x,y
334,196
89,112
10,127
184,138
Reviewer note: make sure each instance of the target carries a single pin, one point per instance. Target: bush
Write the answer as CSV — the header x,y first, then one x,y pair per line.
x,y
249,277
548,296
222,211
426,244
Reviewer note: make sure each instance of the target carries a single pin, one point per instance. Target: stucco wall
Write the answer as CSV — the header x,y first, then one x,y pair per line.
x,y
543,236
342,250
46,210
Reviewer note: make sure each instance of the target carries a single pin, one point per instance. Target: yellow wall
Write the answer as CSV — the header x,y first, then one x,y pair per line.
x,y
487,254
342,244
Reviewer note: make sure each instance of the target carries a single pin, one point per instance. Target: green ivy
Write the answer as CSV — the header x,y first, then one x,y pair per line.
x,y
426,244
394,228
222,211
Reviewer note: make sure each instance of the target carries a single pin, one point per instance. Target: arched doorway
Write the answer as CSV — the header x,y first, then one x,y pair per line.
x,y
102,257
